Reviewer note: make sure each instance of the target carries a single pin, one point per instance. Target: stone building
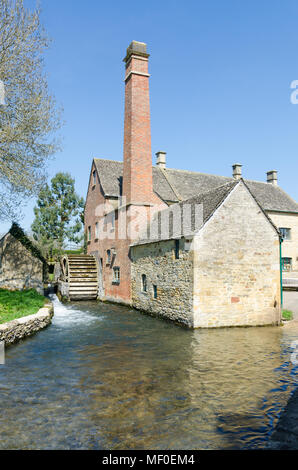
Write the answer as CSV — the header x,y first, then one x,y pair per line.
x,y
123,196
21,264
224,273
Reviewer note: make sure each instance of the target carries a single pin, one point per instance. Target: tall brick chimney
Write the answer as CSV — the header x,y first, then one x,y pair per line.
x,y
137,164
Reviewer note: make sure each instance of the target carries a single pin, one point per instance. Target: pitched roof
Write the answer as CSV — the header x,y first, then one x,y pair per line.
x,y
170,183
17,232
191,220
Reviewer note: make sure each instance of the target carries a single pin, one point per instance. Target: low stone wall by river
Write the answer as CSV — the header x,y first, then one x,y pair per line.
x,y
17,329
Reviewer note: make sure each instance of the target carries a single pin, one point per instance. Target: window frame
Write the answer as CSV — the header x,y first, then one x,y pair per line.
x,y
284,264
144,284
154,288
96,230
284,231
116,278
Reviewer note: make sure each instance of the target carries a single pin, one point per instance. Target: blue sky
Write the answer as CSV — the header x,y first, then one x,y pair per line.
x,y
219,87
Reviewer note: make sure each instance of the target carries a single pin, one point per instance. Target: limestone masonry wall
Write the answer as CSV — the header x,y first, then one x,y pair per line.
x,y
172,277
289,247
19,269
236,266
15,330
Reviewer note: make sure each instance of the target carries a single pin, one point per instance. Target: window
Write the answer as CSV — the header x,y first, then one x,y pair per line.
x,y
96,230
109,256
94,177
286,264
176,249
285,233
116,275
89,234
144,283
154,291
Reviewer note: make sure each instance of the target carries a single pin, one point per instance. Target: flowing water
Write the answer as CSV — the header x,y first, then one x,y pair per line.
x,y
107,377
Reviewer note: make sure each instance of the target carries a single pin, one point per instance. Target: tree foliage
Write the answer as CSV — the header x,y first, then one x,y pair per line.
x,y
58,215
29,117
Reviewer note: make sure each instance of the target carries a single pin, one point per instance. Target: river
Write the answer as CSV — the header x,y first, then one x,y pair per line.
x,y
104,376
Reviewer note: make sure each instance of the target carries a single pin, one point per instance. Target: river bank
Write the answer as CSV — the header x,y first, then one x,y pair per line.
x,y
13,331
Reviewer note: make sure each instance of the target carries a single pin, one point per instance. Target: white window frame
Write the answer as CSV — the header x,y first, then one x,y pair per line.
x,y
116,275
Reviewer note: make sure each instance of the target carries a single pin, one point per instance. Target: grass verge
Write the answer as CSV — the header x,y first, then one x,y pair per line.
x,y
17,304
287,315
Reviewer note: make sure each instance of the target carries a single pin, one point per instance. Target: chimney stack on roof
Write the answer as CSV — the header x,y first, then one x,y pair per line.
x,y
237,171
161,159
272,177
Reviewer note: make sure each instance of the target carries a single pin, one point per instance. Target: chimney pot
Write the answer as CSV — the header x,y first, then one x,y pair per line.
x,y
272,177
161,159
237,171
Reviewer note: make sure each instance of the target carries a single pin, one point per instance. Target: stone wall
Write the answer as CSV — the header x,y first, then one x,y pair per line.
x,y
172,277
15,330
19,269
236,266
63,289
289,247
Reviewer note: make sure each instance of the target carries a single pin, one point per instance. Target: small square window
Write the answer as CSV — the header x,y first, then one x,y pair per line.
x,y
285,233
287,264
116,275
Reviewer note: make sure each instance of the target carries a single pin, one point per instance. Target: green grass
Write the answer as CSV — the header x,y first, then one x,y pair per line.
x,y
287,315
16,304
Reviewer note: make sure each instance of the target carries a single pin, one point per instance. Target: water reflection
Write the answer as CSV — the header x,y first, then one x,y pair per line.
x,y
105,376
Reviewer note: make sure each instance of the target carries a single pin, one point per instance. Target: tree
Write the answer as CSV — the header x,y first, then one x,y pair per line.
x,y
58,215
28,113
